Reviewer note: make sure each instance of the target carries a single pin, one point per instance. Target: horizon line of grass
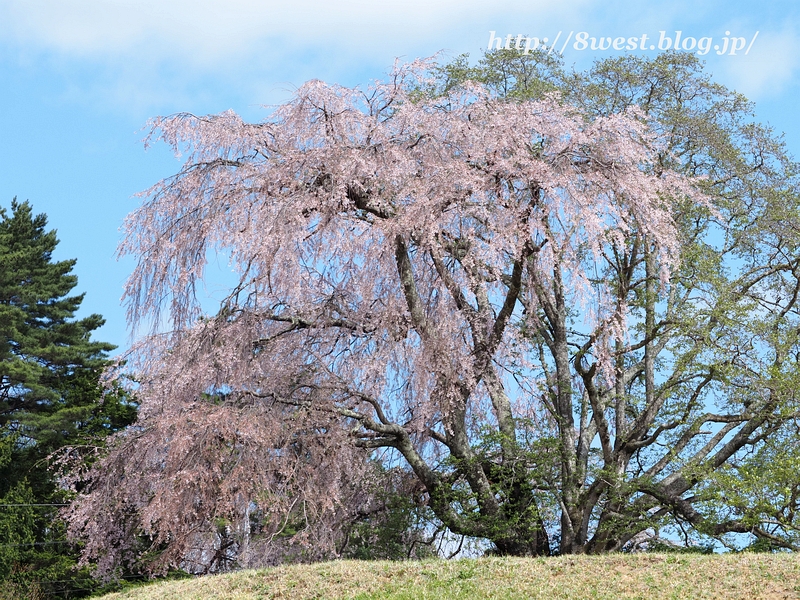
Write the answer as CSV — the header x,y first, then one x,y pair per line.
x,y
612,577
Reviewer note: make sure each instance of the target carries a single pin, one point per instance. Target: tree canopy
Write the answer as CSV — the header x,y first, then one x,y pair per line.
x,y
565,301
49,397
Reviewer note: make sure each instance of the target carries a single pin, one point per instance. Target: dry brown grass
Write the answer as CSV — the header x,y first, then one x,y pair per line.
x,y
646,576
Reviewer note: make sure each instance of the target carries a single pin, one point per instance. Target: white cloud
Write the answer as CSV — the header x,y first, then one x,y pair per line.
x,y
163,52
208,31
771,64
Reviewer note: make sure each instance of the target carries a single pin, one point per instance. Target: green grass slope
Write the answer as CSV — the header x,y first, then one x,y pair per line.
x,y
650,576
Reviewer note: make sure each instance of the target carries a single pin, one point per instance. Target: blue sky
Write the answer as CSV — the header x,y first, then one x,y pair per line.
x,y
80,78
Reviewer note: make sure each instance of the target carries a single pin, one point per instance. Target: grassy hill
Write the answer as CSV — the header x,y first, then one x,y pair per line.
x,y
650,576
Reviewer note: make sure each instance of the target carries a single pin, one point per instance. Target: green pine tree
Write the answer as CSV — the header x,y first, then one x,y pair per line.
x,y
49,399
